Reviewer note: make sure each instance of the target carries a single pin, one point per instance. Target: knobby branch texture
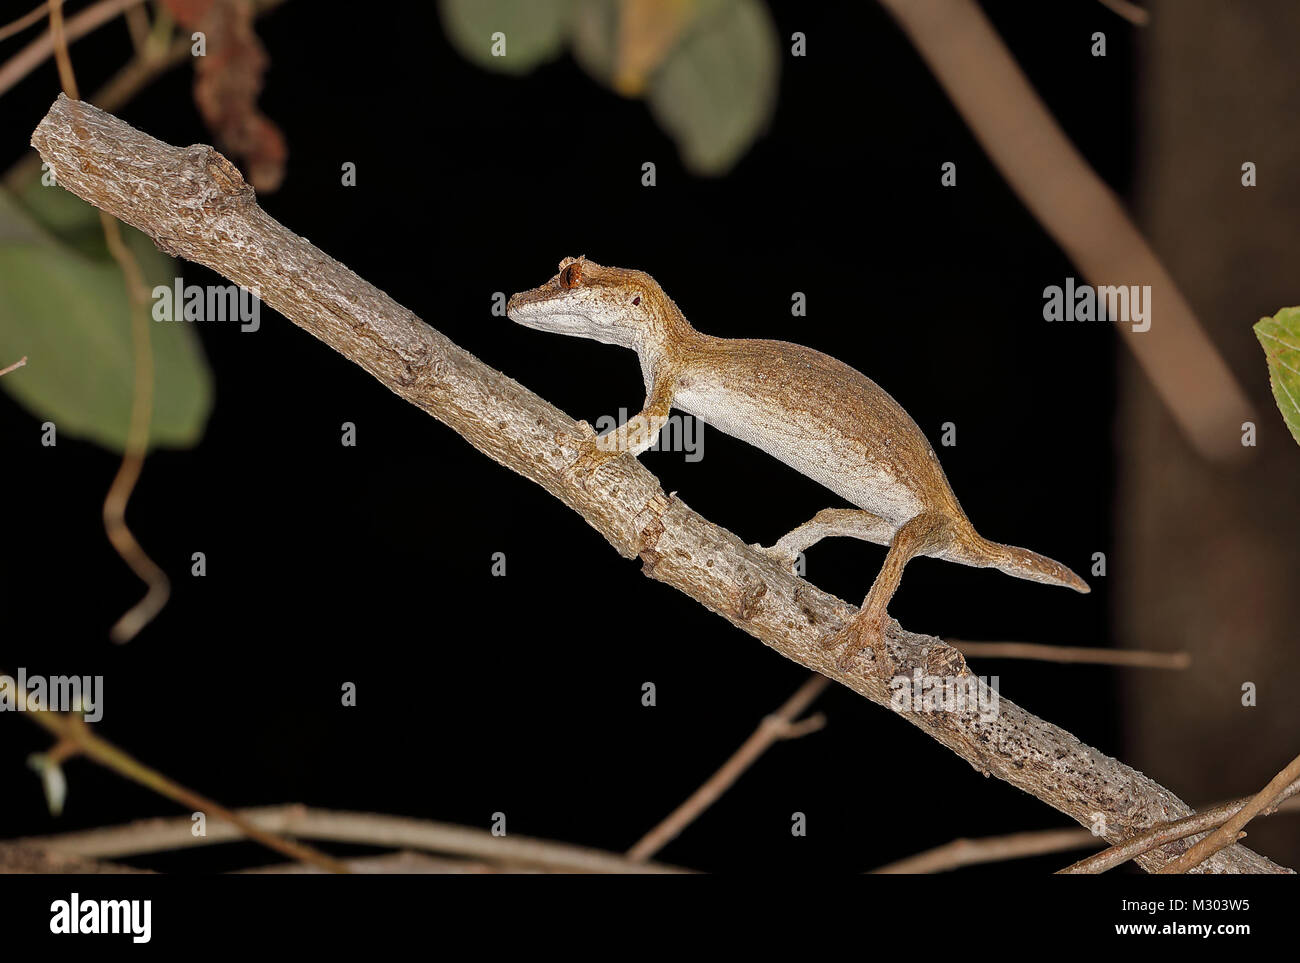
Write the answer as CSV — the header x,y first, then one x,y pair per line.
x,y
195,204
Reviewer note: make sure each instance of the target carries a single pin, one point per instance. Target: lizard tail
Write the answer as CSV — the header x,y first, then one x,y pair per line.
x,y
1022,563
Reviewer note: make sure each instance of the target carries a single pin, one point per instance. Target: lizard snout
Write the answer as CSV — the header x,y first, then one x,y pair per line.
x,y
525,306
517,308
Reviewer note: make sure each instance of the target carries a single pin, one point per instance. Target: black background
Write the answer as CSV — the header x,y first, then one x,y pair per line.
x,y
371,564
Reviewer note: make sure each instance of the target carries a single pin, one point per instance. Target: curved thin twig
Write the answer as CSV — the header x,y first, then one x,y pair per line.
x,y
366,829
119,533
138,72
779,725
42,48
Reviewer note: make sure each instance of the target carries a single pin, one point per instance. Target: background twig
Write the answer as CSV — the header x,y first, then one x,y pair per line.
x,y
1074,654
779,725
1172,832
75,734
42,48
993,849
368,829
1129,11
1277,789
22,23
1079,211
158,586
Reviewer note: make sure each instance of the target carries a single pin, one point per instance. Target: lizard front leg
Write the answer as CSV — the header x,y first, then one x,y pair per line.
x,y
633,436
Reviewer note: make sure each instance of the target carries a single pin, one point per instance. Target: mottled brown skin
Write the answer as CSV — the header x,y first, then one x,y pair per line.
x,y
816,414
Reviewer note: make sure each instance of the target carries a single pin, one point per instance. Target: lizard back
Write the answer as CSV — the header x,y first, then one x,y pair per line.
x,y
829,421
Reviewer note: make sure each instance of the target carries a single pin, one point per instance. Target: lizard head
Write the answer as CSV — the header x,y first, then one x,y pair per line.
x,y
613,305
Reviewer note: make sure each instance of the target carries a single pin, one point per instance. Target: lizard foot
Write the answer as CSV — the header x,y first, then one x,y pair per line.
x,y
592,455
864,632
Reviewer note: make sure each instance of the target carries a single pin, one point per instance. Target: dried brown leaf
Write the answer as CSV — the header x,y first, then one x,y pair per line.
x,y
228,80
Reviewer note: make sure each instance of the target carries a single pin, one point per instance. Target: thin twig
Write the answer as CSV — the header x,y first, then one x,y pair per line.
x,y
365,829
73,730
1134,658
774,728
137,24
1227,834
194,203
23,22
119,533
1080,211
138,72
401,863
992,849
13,367
118,90
1162,835
1129,11
66,76
39,50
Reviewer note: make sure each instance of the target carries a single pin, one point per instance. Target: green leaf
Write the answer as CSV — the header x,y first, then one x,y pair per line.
x,y
63,304
534,31
63,214
716,91
1280,337
595,38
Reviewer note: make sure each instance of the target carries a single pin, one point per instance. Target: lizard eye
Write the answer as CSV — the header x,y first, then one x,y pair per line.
x,y
571,275
636,300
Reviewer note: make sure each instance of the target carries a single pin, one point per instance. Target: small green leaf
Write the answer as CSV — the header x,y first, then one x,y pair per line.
x,y
1280,337
716,91
531,31
63,304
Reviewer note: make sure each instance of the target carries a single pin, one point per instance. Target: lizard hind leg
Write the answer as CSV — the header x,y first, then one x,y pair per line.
x,y
925,534
831,523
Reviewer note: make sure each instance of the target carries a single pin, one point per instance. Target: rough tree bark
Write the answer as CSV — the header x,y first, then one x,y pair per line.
x,y
195,204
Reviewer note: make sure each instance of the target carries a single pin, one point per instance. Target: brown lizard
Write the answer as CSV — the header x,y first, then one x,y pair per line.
x,y
816,414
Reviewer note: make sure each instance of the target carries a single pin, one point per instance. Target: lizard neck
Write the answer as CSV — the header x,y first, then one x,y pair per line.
x,y
666,342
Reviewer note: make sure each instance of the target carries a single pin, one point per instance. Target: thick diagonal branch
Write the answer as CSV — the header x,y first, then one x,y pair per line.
x,y
195,204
